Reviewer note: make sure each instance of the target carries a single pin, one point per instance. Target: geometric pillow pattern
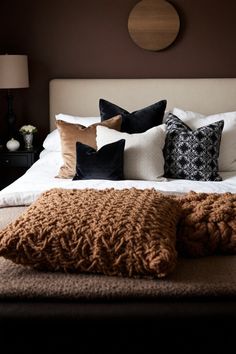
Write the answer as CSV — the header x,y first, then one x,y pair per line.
x,y
227,157
189,154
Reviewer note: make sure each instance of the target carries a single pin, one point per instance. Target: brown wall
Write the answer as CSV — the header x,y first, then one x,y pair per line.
x,y
78,38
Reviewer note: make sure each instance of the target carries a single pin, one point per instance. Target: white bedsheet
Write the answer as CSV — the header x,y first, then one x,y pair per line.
x,y
41,177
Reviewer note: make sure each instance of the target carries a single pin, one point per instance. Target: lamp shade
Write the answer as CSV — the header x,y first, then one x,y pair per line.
x,y
13,71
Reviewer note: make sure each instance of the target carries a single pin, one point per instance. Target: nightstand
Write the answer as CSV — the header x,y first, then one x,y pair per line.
x,y
14,164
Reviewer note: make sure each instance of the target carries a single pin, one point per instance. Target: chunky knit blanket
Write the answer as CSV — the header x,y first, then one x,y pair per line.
x,y
207,225
126,232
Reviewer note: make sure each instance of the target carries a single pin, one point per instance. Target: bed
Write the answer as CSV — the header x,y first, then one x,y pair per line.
x,y
192,310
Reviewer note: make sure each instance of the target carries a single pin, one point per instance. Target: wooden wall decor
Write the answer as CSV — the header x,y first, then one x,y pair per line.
x,y
153,24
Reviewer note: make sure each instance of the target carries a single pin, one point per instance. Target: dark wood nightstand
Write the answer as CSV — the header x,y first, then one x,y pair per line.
x,y
14,164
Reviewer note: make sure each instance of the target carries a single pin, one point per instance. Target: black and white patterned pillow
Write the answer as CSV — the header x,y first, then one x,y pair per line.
x,y
192,154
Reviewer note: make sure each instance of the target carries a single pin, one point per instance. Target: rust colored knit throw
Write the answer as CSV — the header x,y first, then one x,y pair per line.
x,y
114,232
207,225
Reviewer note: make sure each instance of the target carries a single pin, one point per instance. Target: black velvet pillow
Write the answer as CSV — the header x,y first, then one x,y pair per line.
x,y
106,163
137,121
192,154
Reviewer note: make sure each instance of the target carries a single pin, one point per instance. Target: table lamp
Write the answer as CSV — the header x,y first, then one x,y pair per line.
x,y
13,75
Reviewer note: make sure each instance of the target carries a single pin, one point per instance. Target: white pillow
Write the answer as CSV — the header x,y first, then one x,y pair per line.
x,y
227,158
52,141
86,121
143,156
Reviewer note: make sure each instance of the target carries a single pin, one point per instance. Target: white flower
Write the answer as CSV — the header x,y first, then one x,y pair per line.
x,y
26,129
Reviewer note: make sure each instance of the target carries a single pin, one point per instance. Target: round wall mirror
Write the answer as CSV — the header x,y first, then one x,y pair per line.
x,y
153,24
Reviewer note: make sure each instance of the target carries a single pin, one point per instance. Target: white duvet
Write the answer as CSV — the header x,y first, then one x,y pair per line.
x,y
41,177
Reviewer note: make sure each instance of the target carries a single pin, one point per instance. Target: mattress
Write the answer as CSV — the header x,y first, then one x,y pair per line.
x,y
42,176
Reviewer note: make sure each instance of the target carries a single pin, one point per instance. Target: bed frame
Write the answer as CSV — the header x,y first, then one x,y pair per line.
x,y
189,326
81,96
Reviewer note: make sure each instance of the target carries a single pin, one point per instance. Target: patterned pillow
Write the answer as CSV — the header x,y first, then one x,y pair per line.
x,y
192,154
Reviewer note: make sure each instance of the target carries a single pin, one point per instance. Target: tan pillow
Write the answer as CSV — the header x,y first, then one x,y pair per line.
x,y
114,232
71,133
207,225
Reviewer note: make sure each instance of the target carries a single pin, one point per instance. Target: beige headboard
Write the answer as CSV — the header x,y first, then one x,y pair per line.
x,y
81,96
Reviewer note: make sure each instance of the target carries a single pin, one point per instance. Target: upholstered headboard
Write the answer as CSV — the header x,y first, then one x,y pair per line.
x,y
81,96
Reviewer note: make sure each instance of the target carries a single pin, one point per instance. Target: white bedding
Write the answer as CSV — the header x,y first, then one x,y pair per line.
x,y
41,177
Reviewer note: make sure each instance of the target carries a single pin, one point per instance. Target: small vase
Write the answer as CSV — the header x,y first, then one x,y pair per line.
x,y
12,145
28,139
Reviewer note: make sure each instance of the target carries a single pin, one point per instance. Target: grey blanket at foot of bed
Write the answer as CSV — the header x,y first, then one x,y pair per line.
x,y
206,277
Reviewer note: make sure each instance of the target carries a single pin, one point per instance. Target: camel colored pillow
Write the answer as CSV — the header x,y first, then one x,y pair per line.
x,y
71,133
127,232
207,225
